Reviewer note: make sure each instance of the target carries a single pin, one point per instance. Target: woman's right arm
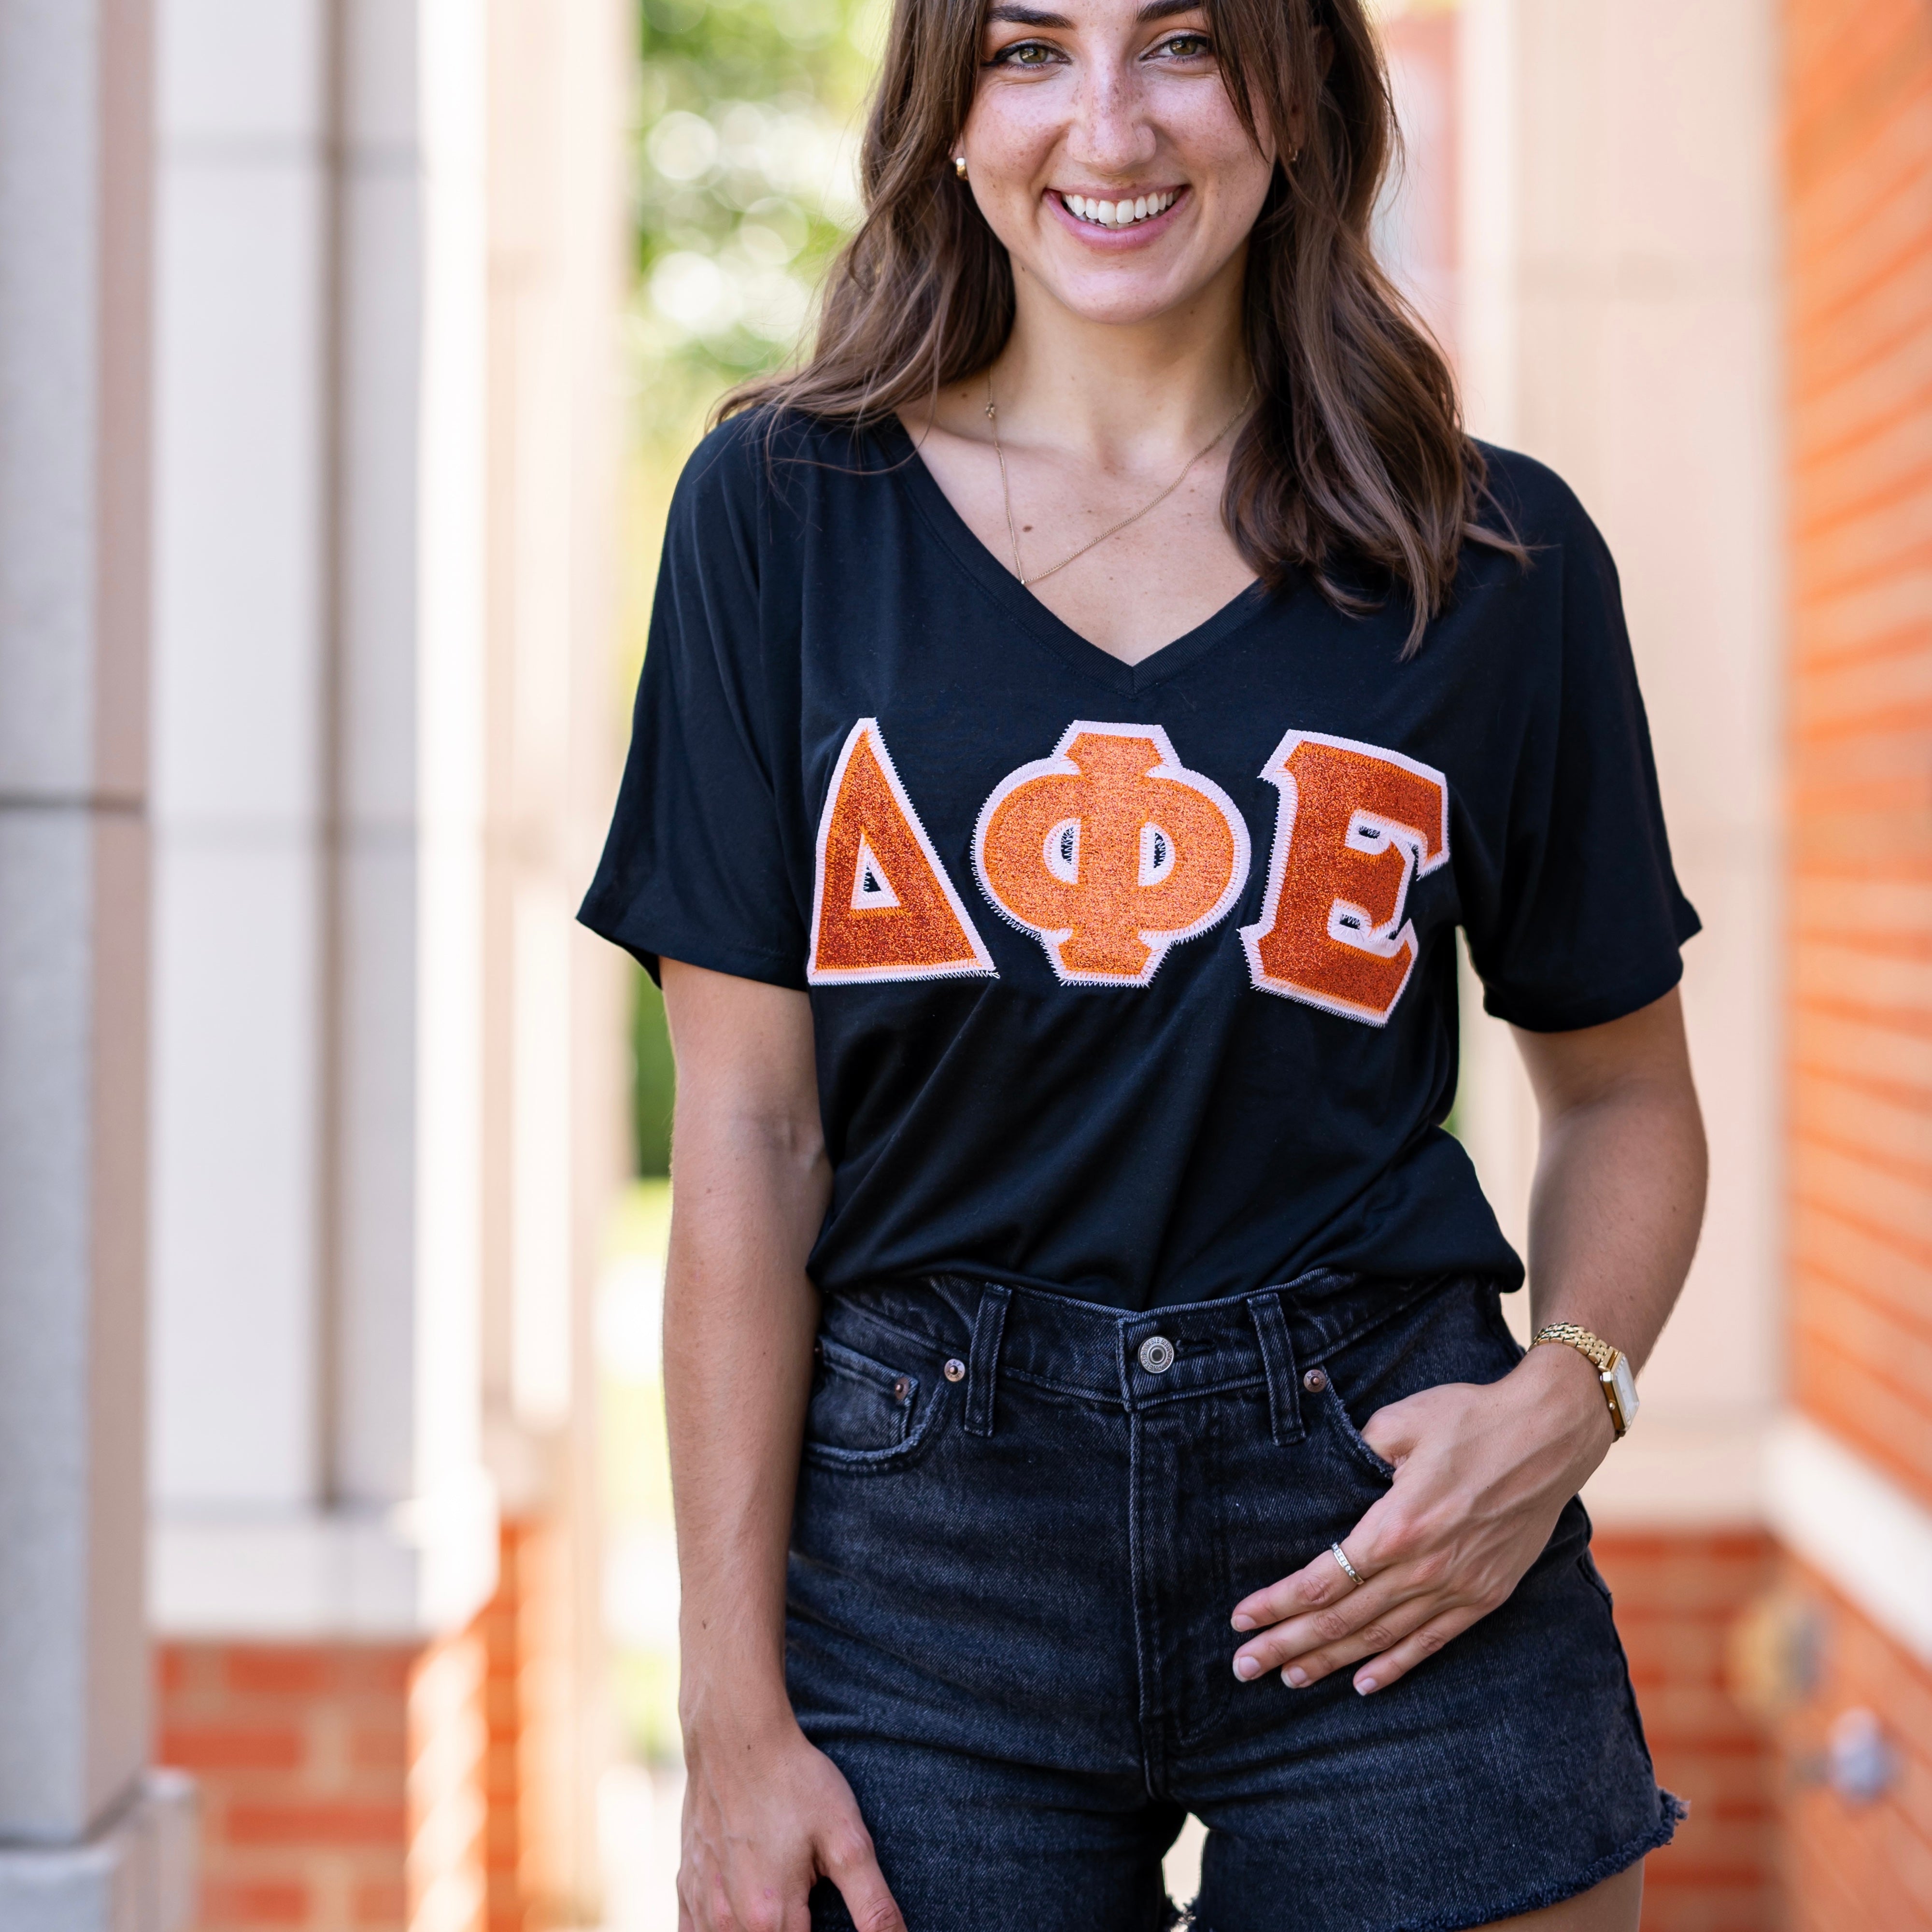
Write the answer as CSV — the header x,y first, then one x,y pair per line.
x,y
765,1813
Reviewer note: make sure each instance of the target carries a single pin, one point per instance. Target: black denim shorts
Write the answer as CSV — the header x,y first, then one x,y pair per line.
x,y
1020,1534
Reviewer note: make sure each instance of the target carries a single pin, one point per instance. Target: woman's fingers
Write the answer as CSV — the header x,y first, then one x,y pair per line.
x,y
1374,1638
847,1859
1359,1608
1303,1662
1313,1587
1381,1671
753,1847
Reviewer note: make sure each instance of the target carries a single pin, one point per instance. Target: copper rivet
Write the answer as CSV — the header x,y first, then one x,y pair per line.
x,y
901,1389
955,1370
1314,1382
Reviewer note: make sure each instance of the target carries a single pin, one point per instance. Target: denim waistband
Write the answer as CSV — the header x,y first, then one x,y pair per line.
x,y
1272,1336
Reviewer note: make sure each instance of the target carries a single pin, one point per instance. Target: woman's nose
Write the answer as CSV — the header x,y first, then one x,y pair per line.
x,y
1110,132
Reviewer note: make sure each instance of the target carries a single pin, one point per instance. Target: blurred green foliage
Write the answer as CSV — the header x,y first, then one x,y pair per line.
x,y
748,125
652,1089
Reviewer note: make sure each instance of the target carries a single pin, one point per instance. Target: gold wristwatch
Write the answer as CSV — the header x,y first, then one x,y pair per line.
x,y
1613,1366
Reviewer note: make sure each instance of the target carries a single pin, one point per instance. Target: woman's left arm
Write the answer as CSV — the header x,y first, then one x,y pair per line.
x,y
1483,1471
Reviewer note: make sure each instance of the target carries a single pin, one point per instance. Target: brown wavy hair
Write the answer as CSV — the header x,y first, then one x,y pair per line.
x,y
1353,465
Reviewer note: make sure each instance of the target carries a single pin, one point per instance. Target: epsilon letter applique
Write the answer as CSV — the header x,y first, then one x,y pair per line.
x,y
1110,852
882,906
1355,825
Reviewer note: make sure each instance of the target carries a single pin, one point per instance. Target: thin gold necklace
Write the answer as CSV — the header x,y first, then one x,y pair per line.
x,y
1006,494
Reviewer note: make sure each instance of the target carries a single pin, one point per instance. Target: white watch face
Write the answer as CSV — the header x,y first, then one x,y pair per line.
x,y
1624,1383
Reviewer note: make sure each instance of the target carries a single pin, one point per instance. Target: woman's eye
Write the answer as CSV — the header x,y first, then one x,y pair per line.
x,y
1026,53
1186,46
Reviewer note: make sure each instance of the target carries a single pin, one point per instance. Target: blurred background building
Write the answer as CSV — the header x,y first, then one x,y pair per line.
x,y
348,351
390,260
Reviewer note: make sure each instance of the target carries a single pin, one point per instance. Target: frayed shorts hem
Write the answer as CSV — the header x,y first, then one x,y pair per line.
x,y
1672,1812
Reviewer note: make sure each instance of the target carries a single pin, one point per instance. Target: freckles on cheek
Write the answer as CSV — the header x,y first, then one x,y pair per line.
x,y
1011,142
1207,136
1219,146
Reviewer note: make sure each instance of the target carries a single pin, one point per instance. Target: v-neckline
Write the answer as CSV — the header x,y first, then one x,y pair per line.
x,y
905,462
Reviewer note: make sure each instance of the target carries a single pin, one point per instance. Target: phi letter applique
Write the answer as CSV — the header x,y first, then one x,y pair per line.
x,y
882,906
1355,825
1110,852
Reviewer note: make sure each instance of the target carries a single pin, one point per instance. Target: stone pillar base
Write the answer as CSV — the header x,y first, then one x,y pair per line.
x,y
136,1874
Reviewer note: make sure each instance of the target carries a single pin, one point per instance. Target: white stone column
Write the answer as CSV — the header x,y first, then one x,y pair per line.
x,y
319,743
88,1840
1620,321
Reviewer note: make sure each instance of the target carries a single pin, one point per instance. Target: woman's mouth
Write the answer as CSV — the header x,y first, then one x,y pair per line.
x,y
1124,213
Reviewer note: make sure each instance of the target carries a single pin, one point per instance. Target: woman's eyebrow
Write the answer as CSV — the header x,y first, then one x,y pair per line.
x,y
1017,15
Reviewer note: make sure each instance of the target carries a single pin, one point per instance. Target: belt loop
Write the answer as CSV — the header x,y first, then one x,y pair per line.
x,y
1278,1357
982,1360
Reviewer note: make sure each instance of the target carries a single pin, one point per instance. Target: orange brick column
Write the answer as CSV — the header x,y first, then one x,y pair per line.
x,y
343,1785
1677,1596
1857,111
533,1778
377,1787
301,1754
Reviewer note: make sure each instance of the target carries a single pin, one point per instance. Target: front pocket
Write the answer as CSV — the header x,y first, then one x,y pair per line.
x,y
1383,1470
864,1413
858,1403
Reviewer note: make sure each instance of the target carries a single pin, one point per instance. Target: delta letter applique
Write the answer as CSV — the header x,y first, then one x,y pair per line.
x,y
882,906
1110,853
1355,826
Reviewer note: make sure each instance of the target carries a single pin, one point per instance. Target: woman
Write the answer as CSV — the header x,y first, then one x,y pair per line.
x,y
1080,705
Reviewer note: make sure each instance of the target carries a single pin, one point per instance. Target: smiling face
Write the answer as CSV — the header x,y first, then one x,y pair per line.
x,y
1105,154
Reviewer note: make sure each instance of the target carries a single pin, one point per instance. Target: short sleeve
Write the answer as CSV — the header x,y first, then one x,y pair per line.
x,y
694,866
1585,922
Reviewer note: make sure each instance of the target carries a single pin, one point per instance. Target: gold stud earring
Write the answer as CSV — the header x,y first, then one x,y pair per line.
x,y
959,166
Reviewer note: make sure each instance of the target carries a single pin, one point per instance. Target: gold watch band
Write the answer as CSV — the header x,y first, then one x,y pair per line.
x,y
1599,1351
1613,1373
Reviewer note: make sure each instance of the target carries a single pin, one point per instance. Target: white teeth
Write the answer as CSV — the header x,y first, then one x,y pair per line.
x,y
1118,214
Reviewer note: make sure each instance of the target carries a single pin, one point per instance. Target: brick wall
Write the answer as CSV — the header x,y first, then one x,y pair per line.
x,y
1859,173
302,1755
1857,83
530,1775
343,1785
1851,1867
390,1787
1677,1598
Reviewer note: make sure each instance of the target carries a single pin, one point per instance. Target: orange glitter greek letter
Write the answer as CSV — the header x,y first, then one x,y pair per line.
x,y
1110,852
1355,825
882,906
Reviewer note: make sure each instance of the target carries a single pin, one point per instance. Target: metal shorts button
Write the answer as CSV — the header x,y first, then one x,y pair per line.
x,y
1316,1380
955,1370
1156,1355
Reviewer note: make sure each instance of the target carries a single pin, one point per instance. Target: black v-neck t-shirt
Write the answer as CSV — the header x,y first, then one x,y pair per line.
x,y
1136,983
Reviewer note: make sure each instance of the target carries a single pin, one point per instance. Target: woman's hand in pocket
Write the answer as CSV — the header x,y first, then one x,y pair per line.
x,y
766,1815
1482,1471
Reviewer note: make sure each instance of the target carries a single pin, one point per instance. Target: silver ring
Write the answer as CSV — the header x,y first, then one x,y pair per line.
x,y
1354,1575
